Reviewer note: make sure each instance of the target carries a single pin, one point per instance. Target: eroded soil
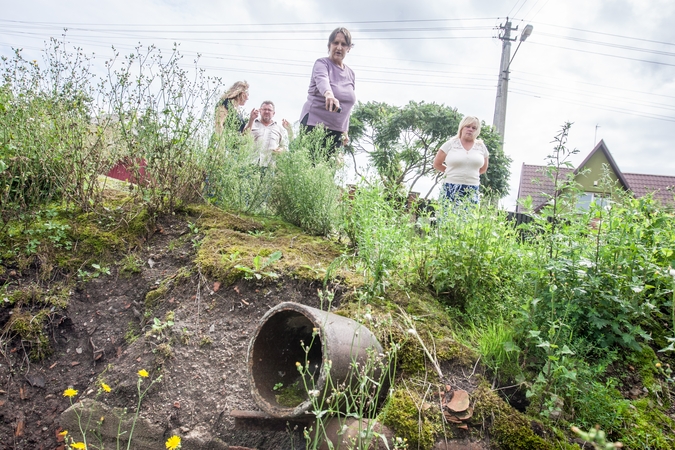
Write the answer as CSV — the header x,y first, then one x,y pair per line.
x,y
201,358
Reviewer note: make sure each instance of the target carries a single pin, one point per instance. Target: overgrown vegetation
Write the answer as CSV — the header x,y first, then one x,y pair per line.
x,y
560,308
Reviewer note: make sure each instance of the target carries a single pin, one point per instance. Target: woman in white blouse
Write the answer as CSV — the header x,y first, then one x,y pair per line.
x,y
462,160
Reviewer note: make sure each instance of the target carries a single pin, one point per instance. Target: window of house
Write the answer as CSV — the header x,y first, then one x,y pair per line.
x,y
586,198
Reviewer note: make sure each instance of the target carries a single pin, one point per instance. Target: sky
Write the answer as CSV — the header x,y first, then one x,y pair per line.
x,y
607,66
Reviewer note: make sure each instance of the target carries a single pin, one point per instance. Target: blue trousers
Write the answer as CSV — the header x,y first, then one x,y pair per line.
x,y
458,193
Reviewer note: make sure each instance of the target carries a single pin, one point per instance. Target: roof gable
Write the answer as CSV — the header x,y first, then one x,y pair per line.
x,y
599,155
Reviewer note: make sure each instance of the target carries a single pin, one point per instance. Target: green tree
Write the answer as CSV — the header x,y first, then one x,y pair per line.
x,y
401,143
495,182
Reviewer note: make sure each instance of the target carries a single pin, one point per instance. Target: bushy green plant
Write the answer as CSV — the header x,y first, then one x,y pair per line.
x,y
233,180
51,143
381,233
473,260
606,281
305,192
596,284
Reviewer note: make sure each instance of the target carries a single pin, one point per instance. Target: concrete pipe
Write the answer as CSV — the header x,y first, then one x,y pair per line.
x,y
276,347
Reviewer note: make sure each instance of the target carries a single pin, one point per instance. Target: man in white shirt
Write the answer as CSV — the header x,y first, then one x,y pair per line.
x,y
269,135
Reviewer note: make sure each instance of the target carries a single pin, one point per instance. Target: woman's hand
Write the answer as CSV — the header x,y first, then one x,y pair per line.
x,y
345,139
332,103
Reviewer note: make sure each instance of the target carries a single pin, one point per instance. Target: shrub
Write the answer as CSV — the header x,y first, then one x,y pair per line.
x,y
305,192
474,261
159,116
50,145
233,180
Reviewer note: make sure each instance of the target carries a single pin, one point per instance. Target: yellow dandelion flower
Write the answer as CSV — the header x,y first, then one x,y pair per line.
x,y
173,442
143,373
297,364
64,433
105,387
70,392
79,445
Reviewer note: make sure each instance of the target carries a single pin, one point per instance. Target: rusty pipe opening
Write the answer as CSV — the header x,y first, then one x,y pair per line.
x,y
277,348
279,343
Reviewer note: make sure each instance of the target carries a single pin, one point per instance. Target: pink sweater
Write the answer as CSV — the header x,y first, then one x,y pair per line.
x,y
326,75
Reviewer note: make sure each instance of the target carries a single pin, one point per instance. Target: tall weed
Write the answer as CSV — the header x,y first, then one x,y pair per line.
x,y
473,260
160,116
606,278
51,147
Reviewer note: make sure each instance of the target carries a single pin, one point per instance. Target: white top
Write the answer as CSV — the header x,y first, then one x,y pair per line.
x,y
463,166
267,139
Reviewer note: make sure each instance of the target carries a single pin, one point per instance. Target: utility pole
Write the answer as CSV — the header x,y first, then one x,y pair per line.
x,y
499,121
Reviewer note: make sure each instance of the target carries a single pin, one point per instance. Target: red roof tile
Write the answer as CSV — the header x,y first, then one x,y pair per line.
x,y
662,186
535,183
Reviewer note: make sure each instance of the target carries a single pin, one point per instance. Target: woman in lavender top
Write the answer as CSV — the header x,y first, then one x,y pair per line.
x,y
331,95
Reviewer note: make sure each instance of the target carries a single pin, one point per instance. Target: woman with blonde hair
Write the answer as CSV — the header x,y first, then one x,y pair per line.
x,y
462,160
232,101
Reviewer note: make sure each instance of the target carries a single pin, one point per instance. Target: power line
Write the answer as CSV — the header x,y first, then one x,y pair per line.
x,y
614,88
285,39
608,44
120,32
607,34
514,7
285,31
424,77
596,106
595,94
518,10
538,11
605,54
62,24
163,27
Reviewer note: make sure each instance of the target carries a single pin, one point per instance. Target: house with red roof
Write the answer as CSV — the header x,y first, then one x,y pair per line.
x,y
535,184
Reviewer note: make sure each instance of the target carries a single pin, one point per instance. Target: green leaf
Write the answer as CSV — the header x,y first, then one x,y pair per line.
x,y
566,351
669,348
509,346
